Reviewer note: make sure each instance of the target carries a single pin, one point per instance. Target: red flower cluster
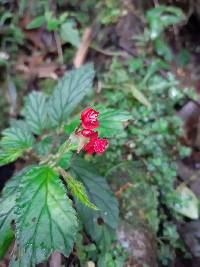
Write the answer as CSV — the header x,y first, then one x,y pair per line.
x,y
89,118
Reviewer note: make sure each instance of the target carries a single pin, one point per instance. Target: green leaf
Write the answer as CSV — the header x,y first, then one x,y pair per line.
x,y
110,121
35,111
137,94
46,220
36,23
43,147
14,142
9,156
161,17
70,34
189,203
78,190
69,92
65,160
99,224
7,215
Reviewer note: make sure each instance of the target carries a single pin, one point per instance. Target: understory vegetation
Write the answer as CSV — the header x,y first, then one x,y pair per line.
x,y
93,134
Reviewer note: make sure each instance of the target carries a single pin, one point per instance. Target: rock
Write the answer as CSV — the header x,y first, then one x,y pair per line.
x,y
139,242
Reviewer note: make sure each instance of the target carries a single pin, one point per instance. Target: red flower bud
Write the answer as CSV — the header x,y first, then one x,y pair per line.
x,y
89,133
89,118
97,145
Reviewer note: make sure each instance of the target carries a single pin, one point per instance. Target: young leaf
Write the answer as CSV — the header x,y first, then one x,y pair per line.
x,y
7,206
77,188
69,92
111,121
35,111
46,220
102,223
14,142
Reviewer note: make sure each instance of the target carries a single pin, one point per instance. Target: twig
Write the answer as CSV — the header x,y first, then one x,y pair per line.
x,y
59,47
108,52
122,188
83,48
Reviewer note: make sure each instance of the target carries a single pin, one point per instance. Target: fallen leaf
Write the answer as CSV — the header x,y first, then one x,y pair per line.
x,y
189,206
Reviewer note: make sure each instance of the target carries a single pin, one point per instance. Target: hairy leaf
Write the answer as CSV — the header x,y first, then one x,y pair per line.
x,y
102,223
46,220
35,111
13,143
78,190
7,207
69,92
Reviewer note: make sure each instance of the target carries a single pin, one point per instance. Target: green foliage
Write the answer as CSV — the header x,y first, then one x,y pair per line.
x,y
69,92
111,121
45,219
35,112
35,201
102,223
77,189
7,215
161,17
70,34
14,142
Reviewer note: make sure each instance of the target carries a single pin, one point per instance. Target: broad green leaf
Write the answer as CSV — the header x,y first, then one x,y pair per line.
x,y
7,215
189,206
111,121
46,220
35,111
99,224
36,23
14,142
69,92
70,34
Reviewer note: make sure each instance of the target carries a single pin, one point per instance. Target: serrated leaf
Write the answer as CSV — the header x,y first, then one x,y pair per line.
x,y
99,224
70,34
35,111
7,206
9,156
78,190
16,138
14,142
111,121
190,204
46,220
69,92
